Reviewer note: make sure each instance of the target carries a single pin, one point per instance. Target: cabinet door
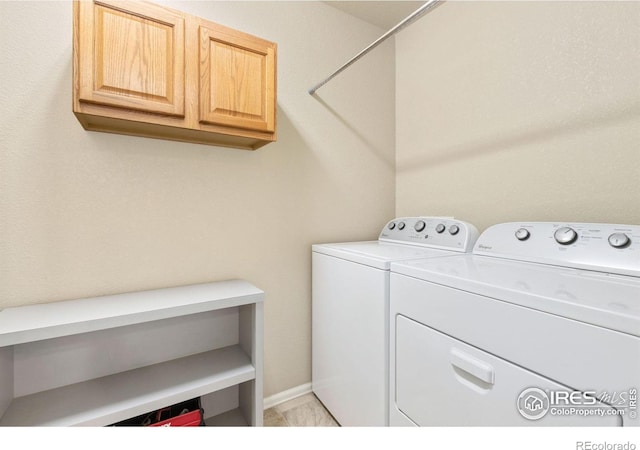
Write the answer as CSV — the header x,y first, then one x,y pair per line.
x,y
131,55
441,381
237,79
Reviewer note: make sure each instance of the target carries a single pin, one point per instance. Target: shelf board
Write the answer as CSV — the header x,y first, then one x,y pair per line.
x,y
110,399
50,320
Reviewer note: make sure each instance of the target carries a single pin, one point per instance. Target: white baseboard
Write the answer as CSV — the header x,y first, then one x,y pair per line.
x,y
287,395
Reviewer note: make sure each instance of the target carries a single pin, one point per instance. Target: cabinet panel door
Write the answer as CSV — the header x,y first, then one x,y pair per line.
x,y
442,381
237,79
131,56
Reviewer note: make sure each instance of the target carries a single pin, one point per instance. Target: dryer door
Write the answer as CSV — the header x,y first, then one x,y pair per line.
x,y
441,381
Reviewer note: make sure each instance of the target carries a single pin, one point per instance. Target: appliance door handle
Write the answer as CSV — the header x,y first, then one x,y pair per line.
x,y
472,365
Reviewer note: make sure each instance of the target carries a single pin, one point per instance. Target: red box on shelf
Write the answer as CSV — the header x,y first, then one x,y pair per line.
x,y
184,414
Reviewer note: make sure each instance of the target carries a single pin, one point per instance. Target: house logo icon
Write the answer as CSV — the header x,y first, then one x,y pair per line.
x,y
533,403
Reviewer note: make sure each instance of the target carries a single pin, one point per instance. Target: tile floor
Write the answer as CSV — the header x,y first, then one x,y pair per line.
x,y
303,411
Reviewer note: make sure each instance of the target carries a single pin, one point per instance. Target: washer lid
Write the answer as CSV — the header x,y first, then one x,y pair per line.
x,y
378,254
610,301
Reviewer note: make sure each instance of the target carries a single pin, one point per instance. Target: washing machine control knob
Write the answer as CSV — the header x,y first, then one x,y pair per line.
x,y
619,240
401,226
420,225
440,228
454,229
391,225
522,234
565,235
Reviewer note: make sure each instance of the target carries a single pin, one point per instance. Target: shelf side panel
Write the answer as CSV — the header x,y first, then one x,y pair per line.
x,y
6,378
252,342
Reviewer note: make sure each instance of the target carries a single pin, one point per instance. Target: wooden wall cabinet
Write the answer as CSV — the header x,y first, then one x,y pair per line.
x,y
147,70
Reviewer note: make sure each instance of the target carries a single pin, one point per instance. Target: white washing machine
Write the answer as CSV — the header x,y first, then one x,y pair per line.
x,y
350,312
540,325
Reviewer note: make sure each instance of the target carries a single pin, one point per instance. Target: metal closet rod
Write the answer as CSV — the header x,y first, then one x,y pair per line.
x,y
407,21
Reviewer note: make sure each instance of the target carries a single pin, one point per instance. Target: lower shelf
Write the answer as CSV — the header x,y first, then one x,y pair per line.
x,y
113,398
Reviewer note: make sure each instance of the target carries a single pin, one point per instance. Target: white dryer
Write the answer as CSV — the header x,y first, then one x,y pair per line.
x,y
350,312
539,326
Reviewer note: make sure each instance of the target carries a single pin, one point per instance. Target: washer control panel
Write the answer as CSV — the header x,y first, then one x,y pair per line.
x,y
437,232
603,247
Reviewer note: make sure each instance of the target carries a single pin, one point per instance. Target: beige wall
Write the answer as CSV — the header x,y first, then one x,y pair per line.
x,y
520,111
85,213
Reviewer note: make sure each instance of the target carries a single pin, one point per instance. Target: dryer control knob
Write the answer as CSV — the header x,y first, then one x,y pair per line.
x,y
420,225
440,228
619,240
565,235
391,225
522,234
454,229
401,226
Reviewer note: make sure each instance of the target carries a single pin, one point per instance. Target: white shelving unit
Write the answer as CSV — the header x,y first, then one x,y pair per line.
x,y
97,361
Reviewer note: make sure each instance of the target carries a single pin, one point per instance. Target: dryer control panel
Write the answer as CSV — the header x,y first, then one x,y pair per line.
x,y
436,232
602,247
